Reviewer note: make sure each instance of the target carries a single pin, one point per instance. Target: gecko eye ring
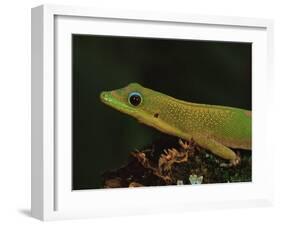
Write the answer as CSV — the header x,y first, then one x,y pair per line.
x,y
135,98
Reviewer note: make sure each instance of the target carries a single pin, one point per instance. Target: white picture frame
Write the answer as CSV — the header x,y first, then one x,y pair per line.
x,y
52,197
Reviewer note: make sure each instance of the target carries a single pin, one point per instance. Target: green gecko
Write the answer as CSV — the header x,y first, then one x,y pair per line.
x,y
215,128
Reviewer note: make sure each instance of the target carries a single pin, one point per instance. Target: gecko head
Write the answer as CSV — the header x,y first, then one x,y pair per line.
x,y
131,100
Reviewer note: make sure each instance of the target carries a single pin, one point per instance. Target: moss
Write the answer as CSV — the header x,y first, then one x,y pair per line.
x,y
169,162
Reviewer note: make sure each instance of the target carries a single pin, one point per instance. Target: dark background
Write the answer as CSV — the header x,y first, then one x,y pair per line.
x,y
197,71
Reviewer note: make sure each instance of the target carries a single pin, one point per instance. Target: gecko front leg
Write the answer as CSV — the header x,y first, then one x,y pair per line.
x,y
216,148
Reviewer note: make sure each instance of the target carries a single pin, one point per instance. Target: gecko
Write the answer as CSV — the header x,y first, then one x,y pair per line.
x,y
218,129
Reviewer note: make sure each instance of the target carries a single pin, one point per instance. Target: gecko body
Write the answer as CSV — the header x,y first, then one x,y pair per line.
x,y
215,128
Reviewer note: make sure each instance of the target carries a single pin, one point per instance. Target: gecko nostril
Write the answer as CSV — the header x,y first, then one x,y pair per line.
x,y
104,96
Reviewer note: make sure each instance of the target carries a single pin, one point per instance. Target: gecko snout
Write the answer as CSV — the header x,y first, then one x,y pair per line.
x,y
104,96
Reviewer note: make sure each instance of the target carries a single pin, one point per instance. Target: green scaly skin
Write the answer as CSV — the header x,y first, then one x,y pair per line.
x,y
215,128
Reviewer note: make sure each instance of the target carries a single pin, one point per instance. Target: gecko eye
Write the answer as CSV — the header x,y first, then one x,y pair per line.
x,y
135,98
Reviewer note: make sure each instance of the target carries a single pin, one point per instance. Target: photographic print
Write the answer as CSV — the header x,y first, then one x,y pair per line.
x,y
157,112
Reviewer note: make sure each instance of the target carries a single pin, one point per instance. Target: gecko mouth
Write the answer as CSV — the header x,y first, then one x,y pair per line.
x,y
107,98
